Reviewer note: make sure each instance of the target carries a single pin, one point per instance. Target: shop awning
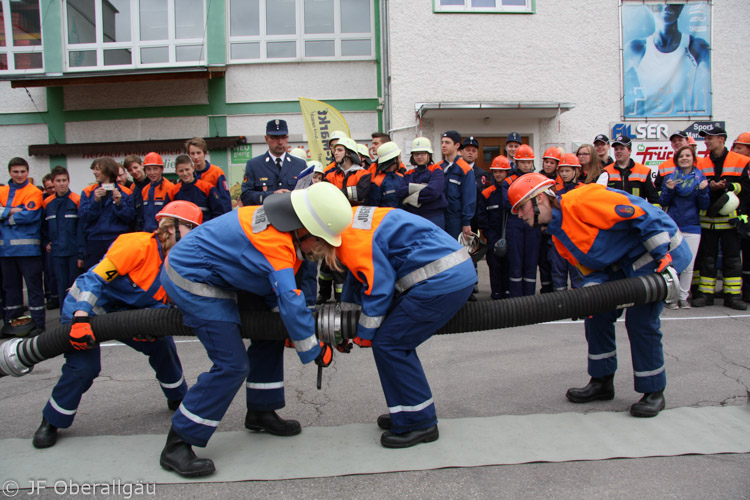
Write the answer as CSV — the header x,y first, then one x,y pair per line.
x,y
131,75
492,109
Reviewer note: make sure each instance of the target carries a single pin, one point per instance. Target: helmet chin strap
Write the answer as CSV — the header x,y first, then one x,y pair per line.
x,y
176,230
536,211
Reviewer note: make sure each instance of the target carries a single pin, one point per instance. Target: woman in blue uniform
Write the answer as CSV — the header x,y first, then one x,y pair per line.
x,y
126,278
255,249
410,277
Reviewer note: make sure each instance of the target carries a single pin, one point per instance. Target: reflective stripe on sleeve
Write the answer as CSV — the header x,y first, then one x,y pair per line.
x,y
656,240
644,259
435,267
25,241
200,289
370,321
305,345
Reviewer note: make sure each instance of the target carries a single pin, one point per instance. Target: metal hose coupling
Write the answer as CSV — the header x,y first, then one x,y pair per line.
x,y
672,279
10,363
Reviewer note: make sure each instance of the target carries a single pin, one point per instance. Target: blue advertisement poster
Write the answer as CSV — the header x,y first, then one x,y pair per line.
x,y
666,59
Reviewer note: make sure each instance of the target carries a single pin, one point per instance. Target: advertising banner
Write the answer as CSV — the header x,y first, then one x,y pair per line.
x,y
320,120
665,59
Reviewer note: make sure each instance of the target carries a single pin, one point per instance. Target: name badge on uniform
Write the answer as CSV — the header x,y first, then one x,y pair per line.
x,y
260,221
363,218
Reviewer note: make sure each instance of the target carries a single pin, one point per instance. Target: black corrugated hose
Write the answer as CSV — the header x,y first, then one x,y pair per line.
x,y
19,355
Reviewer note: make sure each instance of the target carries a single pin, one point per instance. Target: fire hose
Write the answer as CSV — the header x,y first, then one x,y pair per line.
x,y
18,356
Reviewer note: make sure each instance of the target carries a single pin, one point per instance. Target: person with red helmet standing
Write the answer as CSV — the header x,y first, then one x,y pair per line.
x,y
616,235
126,278
550,161
491,219
155,194
523,241
567,179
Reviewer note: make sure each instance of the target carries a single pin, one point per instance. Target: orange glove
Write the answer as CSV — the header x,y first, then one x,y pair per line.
x,y
325,357
81,335
288,343
664,263
362,342
345,346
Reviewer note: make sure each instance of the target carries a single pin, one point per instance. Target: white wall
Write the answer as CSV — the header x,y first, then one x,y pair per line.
x,y
18,101
566,52
14,141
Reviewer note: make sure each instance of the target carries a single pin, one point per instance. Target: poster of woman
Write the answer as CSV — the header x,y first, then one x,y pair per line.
x,y
666,59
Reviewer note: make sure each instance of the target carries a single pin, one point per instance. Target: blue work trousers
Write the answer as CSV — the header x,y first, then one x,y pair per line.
x,y
82,367
411,320
16,270
523,256
643,326
561,268
260,366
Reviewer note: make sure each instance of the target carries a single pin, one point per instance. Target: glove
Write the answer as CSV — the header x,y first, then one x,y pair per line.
x,y
81,335
345,346
144,338
664,263
362,342
288,343
325,357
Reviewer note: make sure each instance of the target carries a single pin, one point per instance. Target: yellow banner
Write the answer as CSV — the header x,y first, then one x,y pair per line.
x,y
320,120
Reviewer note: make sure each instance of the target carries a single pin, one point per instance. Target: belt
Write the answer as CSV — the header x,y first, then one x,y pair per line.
x,y
200,289
431,269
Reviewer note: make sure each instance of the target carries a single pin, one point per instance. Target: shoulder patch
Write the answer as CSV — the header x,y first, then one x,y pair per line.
x,y
260,221
363,218
624,211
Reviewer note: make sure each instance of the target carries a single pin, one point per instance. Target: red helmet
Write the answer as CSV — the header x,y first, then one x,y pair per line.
x,y
185,211
569,160
743,138
552,153
526,187
500,163
153,159
524,152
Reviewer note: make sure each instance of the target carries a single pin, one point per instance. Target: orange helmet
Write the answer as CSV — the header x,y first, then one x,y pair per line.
x,y
569,160
552,153
185,211
691,141
153,159
500,163
526,187
743,138
524,152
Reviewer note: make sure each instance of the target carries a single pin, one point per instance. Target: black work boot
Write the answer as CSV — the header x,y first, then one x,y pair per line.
x,y
702,300
270,422
178,456
734,302
649,406
392,440
45,436
598,388
384,422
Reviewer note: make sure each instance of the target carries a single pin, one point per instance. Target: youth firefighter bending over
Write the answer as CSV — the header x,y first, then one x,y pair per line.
x,y
610,235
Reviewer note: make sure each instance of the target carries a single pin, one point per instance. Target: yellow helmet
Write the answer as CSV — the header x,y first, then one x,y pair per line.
x,y
299,153
421,144
388,151
324,211
336,135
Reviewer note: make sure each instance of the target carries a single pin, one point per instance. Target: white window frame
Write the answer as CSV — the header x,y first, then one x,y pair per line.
x,y
135,45
11,50
300,37
501,9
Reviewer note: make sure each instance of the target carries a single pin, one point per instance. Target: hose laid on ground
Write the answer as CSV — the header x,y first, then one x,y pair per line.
x,y
18,356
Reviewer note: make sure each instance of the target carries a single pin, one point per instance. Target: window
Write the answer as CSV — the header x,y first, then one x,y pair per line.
x,y
279,30
508,6
20,36
115,34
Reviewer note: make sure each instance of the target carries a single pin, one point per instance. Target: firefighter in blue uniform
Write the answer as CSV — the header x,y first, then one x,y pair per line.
x,y
126,278
460,186
62,234
610,235
275,171
523,241
21,251
255,250
410,278
386,181
203,194
491,218
155,194
423,189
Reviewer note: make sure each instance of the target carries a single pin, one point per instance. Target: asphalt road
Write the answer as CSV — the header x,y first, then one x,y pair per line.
x,y
521,371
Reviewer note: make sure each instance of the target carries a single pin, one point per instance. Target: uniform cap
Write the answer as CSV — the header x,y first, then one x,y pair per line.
x,y
277,127
513,137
